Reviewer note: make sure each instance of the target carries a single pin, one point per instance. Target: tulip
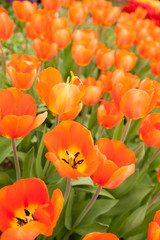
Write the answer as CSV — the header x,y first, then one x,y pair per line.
x,y
107,115
92,88
154,228
26,211
110,16
24,10
38,25
22,71
62,37
51,5
125,60
117,162
18,117
106,79
59,97
104,57
77,13
6,26
44,50
100,236
81,54
71,150
149,131
125,36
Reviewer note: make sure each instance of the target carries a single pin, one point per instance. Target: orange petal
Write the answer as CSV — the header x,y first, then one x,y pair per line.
x,y
119,176
40,118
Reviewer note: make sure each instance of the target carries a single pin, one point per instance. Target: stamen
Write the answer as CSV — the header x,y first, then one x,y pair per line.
x,y
65,160
20,221
67,152
27,212
76,155
79,162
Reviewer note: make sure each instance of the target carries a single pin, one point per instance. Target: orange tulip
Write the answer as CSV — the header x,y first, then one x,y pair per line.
x,y
59,22
18,117
117,162
6,26
125,60
99,10
26,211
144,98
92,88
62,37
155,66
51,5
38,25
106,79
59,97
3,10
22,72
44,50
72,114
104,57
66,3
86,35
154,228
110,16
77,13
107,115
149,131
81,54
71,150
125,36
148,48
26,58
100,236
24,10
158,175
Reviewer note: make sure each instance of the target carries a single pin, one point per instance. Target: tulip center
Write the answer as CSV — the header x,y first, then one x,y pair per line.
x,y
28,217
73,159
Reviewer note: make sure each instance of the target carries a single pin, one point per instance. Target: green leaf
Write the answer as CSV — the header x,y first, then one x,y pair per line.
x,y
93,227
92,120
4,179
38,166
100,207
82,181
133,130
68,213
118,131
92,189
6,147
134,220
28,164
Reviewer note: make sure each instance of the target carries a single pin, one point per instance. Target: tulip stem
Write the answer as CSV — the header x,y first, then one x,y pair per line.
x,y
57,120
153,200
139,149
58,59
151,159
84,114
86,209
68,188
126,130
26,39
42,66
17,166
3,64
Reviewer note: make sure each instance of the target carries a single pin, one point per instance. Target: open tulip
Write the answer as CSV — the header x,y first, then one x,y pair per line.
x,y
60,97
117,162
26,210
71,149
100,236
18,117
154,228
24,10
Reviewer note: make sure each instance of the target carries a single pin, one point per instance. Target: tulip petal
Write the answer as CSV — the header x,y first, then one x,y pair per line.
x,y
40,118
